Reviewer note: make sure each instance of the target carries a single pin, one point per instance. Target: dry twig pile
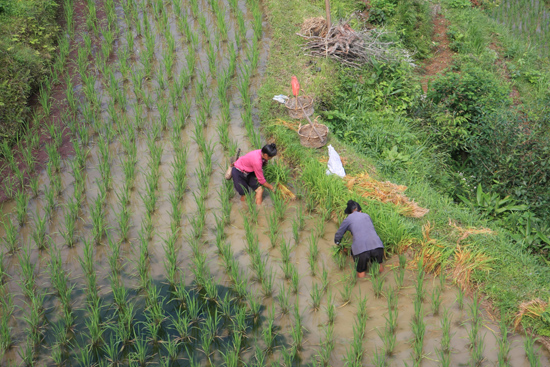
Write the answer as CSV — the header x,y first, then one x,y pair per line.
x,y
349,46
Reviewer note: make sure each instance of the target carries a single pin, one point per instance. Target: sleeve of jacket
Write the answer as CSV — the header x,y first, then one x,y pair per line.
x,y
342,230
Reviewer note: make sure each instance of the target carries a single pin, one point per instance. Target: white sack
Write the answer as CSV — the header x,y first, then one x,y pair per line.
x,y
335,163
281,98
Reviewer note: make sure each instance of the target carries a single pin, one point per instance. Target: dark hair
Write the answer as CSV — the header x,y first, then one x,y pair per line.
x,y
270,149
352,205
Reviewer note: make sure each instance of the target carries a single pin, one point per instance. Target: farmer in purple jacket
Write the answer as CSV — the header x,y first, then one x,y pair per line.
x,y
248,172
367,246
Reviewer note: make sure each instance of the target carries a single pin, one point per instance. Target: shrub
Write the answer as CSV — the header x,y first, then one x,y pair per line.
x,y
511,155
459,101
28,33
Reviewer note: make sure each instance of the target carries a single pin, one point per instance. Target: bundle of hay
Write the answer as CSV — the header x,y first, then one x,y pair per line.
x,y
385,192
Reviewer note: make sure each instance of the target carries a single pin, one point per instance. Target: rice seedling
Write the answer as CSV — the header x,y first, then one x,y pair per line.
x,y
475,310
324,278
9,186
279,205
377,280
330,309
312,264
259,264
28,278
220,19
460,298
444,359
419,285
161,80
211,56
419,330
143,261
446,332
253,209
6,340
294,279
273,225
268,330
345,291
477,351
111,350
287,269
206,341
389,339
198,220
27,352
28,156
399,276
532,356
297,331
170,263
241,26
39,232
239,322
340,259
172,347
87,264
140,352
44,97
182,325
60,279
162,107
99,223
503,345
354,355
316,294
152,325
203,26
436,300
10,235
34,317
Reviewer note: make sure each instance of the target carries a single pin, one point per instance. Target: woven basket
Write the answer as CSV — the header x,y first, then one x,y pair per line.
x,y
309,138
297,112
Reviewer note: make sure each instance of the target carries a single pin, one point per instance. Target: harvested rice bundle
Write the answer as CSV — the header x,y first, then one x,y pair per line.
x,y
385,192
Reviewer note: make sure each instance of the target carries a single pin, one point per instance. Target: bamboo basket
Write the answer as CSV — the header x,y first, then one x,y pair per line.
x,y
308,137
296,112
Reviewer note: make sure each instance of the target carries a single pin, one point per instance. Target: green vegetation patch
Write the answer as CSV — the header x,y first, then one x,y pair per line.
x,y
28,34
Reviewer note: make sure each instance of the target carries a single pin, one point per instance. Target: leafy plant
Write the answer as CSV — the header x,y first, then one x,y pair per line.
x,y
491,204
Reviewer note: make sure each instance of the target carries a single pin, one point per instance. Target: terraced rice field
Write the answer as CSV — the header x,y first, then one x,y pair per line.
x,y
133,251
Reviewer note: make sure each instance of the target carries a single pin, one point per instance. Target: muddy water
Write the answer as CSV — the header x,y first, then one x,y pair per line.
x,y
313,321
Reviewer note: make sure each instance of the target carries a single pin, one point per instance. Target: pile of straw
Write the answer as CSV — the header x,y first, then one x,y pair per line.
x,y
466,260
314,27
385,192
533,309
465,232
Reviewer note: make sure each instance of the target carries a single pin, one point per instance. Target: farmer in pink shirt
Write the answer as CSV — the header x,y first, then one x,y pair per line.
x,y
248,172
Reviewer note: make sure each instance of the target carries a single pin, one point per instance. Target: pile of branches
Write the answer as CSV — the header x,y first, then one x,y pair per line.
x,y
351,47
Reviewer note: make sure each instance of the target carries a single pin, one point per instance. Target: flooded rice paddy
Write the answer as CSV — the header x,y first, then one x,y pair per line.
x,y
134,251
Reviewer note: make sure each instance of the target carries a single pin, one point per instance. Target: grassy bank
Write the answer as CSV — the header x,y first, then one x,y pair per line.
x,y
28,37
381,131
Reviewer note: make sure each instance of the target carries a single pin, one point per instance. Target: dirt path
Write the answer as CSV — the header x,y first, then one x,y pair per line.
x,y
442,55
